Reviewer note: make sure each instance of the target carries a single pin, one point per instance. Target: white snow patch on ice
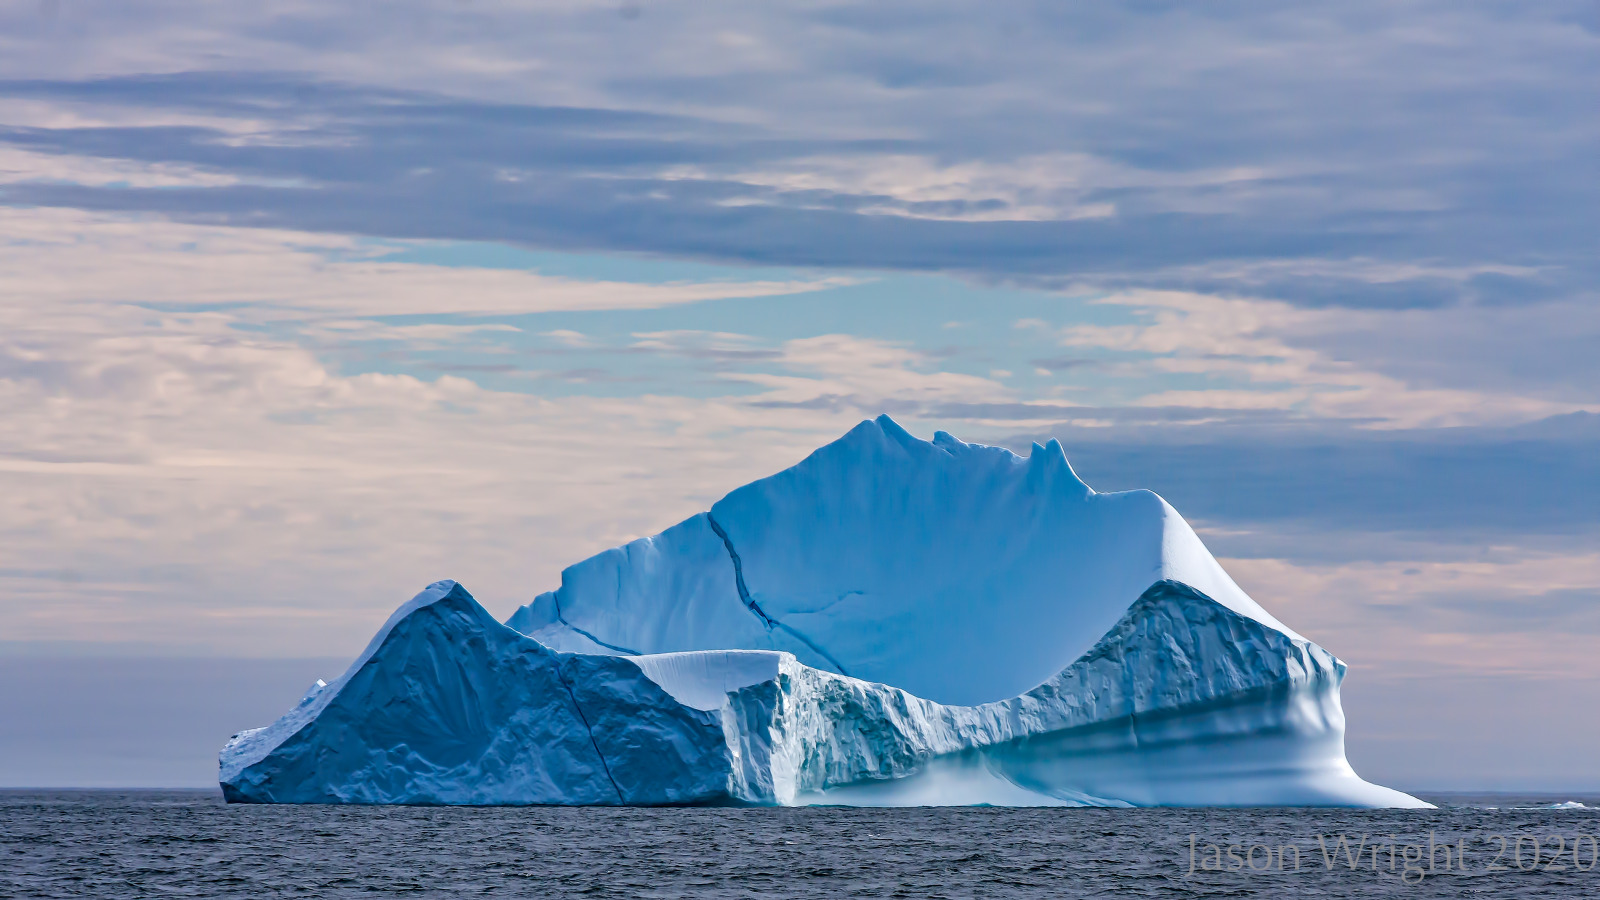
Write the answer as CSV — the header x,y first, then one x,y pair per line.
x,y
703,679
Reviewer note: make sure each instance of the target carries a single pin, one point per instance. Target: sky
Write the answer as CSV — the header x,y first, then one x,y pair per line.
x,y
304,306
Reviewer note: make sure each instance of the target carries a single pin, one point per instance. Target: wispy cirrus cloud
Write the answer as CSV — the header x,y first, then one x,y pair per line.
x,y
64,256
1268,354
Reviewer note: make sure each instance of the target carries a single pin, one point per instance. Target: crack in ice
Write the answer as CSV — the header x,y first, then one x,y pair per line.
x,y
604,766
562,619
754,607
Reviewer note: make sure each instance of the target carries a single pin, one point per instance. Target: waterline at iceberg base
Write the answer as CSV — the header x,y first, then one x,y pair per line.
x,y
890,622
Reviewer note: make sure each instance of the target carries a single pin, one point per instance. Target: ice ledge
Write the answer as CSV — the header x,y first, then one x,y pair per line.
x,y
1183,702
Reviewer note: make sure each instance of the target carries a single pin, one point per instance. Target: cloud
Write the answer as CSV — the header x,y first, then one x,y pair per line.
x,y
175,464
1039,188
1271,355
417,335
178,475
1343,253
1320,493
844,373
718,346
18,165
62,256
1530,616
1335,155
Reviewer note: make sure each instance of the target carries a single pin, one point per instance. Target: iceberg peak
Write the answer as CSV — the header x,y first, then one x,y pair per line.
x,y
960,572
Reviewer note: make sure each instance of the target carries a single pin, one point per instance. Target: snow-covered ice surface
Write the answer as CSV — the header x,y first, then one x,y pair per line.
x,y
890,622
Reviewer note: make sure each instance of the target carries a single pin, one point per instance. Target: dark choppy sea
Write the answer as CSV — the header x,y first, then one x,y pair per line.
x,y
128,844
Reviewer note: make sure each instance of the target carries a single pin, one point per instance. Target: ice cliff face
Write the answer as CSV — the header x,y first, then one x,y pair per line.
x,y
891,621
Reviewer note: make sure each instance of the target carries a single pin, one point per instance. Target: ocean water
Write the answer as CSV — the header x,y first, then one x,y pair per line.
x,y
128,844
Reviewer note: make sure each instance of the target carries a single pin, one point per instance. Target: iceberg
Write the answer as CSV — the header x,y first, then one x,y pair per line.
x,y
889,622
